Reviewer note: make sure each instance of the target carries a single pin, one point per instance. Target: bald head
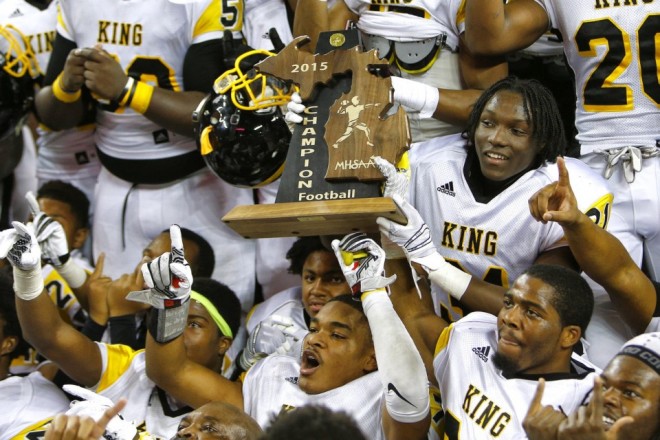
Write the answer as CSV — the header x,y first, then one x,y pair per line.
x,y
228,422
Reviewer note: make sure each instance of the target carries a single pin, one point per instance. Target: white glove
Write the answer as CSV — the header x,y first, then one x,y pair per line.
x,y
168,276
418,99
295,108
414,237
416,241
363,263
50,235
20,247
276,334
170,280
95,406
396,182
54,246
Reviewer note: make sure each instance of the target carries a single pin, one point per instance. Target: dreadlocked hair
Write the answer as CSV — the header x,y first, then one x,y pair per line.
x,y
540,109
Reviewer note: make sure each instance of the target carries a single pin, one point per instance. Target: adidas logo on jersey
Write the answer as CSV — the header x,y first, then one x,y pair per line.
x,y
447,188
292,379
16,13
482,352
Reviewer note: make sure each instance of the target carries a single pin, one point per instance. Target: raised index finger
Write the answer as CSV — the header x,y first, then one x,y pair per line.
x,y
32,203
563,172
177,244
108,415
535,405
595,406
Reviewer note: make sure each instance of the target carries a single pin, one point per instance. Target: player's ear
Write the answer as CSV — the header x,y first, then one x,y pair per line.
x,y
79,238
223,345
8,345
370,363
570,335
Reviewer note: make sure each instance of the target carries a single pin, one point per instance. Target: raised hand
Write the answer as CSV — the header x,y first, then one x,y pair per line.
x,y
542,421
91,417
396,182
587,422
50,234
414,237
362,261
19,245
556,201
169,275
169,280
275,335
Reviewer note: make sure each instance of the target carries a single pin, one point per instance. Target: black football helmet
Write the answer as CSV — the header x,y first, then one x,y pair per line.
x,y
241,133
17,75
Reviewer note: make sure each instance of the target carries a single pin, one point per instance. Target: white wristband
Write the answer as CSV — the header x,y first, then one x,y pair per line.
x,y
451,279
416,96
28,284
74,275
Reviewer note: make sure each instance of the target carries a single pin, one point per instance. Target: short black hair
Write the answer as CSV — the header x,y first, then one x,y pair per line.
x,y
11,324
573,299
205,260
66,193
300,250
223,298
313,422
541,110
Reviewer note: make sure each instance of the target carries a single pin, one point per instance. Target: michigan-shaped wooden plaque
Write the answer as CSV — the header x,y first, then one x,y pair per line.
x,y
330,184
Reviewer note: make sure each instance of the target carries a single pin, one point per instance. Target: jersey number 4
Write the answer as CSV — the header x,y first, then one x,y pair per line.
x,y
600,92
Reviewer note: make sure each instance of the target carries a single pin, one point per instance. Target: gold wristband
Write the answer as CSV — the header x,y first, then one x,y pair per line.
x,y
140,100
61,94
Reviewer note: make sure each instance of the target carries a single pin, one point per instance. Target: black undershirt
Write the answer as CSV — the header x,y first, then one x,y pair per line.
x,y
483,189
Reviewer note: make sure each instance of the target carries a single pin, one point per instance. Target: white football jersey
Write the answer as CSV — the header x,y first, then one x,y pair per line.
x,y
285,303
64,154
412,19
260,17
28,402
495,241
271,387
149,38
612,48
10,9
124,376
477,401
415,20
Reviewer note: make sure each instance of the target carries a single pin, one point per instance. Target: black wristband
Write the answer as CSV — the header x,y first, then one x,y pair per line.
x,y
168,323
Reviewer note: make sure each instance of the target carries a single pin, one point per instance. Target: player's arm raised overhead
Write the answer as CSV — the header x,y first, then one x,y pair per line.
x,y
78,356
170,280
496,28
599,253
406,413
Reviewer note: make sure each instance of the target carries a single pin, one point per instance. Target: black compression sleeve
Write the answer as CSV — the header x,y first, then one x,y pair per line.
x,y
204,62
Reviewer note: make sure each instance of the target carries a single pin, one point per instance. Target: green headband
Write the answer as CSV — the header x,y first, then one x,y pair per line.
x,y
213,311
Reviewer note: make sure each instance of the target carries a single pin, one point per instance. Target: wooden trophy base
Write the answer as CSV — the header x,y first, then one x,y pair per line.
x,y
298,219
